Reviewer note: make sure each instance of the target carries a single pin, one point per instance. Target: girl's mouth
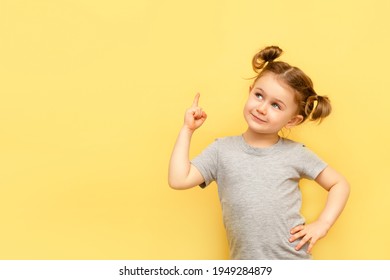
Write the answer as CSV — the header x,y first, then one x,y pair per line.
x,y
258,119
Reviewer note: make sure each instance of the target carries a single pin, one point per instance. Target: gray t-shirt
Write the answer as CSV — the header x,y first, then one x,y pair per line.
x,y
259,193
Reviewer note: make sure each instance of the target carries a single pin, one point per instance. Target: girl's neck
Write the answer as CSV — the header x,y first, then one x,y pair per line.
x,y
258,140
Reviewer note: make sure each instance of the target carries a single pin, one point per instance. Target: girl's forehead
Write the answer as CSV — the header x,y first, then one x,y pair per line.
x,y
272,85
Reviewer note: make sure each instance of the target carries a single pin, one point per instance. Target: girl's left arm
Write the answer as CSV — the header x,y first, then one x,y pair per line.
x,y
338,192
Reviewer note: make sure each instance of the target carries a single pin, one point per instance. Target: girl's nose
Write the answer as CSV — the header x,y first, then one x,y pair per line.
x,y
262,108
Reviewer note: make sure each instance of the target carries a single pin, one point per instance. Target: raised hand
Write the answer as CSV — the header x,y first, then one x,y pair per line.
x,y
194,116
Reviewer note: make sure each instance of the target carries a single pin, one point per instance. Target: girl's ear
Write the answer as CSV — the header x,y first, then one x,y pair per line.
x,y
294,121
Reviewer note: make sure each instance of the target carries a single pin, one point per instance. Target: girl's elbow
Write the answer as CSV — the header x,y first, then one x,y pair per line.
x,y
344,187
172,184
347,187
176,185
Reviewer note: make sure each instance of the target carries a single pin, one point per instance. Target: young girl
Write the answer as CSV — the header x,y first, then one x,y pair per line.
x,y
258,172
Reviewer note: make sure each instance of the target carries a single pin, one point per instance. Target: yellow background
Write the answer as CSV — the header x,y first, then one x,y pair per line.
x,y
93,95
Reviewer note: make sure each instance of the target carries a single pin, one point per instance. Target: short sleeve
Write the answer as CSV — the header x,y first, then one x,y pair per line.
x,y
207,163
310,164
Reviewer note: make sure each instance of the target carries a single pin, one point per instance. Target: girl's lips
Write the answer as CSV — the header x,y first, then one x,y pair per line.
x,y
258,119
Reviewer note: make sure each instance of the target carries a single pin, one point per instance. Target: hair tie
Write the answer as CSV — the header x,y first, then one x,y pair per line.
x,y
315,104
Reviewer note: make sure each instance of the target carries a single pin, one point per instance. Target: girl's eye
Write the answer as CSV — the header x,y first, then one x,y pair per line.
x,y
276,105
258,95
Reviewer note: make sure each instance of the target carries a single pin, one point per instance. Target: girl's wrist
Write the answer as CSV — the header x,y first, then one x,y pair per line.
x,y
185,129
327,225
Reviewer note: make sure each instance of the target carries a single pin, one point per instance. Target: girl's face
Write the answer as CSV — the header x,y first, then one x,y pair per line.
x,y
270,106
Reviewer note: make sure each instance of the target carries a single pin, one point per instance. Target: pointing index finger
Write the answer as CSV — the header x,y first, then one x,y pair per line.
x,y
196,100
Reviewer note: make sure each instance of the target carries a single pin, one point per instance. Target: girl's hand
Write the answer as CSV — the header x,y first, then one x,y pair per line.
x,y
194,116
309,233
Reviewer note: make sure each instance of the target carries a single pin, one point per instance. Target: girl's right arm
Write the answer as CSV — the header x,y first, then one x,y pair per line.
x,y
182,174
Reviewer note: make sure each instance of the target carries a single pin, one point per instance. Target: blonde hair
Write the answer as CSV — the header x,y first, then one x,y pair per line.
x,y
310,105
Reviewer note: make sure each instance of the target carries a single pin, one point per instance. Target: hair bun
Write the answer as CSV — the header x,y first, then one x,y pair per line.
x,y
267,54
270,53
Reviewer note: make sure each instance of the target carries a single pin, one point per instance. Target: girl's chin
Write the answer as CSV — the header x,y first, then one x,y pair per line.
x,y
262,132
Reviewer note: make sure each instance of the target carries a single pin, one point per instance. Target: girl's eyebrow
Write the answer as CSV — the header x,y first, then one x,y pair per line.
x,y
278,100
260,89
